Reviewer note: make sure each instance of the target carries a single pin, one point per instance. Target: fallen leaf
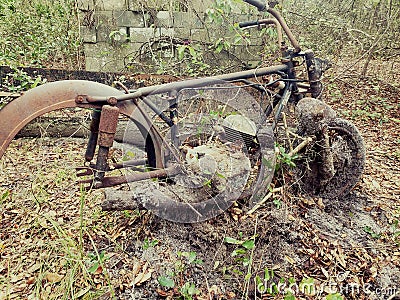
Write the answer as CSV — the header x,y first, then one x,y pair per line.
x,y
54,277
142,277
31,280
325,272
290,260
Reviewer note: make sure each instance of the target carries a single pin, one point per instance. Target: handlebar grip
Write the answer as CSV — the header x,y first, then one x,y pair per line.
x,y
260,4
248,24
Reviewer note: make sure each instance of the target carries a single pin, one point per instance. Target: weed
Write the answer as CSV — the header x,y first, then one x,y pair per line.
x,y
188,290
40,33
96,261
18,80
147,243
4,196
166,281
335,296
284,158
373,234
395,230
277,203
191,257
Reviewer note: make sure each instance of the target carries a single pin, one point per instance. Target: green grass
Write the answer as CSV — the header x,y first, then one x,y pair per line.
x,y
39,33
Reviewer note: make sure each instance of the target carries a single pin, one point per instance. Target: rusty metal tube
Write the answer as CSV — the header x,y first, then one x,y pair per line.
x,y
192,83
94,133
117,180
286,29
278,29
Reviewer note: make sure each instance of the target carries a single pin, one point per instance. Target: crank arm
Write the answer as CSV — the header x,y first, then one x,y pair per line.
x,y
117,180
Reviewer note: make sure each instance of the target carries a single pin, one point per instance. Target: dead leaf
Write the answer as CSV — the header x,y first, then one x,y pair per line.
x,y
374,271
54,277
31,280
325,272
142,277
290,260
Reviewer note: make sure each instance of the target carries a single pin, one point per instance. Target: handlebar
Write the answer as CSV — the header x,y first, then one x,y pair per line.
x,y
248,24
261,5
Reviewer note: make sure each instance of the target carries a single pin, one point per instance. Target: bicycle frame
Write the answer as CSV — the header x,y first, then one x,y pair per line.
x,y
110,102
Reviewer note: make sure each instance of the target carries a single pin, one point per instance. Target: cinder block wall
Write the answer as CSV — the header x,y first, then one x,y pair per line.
x,y
142,36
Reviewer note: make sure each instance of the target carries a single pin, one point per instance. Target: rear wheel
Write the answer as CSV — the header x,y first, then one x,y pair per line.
x,y
219,146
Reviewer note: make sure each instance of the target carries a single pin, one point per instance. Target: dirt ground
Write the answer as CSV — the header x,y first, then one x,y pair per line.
x,y
56,243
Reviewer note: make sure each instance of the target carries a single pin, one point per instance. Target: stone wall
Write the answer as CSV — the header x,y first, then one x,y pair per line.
x,y
143,36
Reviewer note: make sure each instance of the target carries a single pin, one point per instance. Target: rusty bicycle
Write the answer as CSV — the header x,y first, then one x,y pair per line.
x,y
205,142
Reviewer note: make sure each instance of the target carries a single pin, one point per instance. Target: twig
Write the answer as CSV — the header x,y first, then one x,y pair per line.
x,y
300,146
259,204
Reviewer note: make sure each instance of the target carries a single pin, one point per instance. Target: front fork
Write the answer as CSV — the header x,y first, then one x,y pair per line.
x,y
102,132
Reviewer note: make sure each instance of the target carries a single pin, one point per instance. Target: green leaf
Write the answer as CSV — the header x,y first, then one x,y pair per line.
x,y
5,195
238,252
336,296
289,296
166,281
36,82
249,244
93,268
192,52
181,52
230,240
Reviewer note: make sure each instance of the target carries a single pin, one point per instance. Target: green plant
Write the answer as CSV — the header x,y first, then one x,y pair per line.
x,y
307,286
188,290
284,158
166,281
373,234
395,229
18,80
40,33
241,253
95,262
4,196
191,257
262,284
277,203
147,243
335,296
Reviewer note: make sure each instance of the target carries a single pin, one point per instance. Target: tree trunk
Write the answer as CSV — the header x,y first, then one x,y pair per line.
x,y
77,127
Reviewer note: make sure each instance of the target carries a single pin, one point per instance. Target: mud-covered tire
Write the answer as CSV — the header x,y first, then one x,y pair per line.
x,y
348,152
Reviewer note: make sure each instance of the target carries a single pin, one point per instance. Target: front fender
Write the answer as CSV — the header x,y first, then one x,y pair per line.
x,y
53,96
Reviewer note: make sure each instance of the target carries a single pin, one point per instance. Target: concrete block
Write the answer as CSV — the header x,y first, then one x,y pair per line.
x,y
142,35
182,33
170,32
199,35
164,19
103,57
89,35
129,18
201,5
108,58
85,4
188,20
140,5
111,5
